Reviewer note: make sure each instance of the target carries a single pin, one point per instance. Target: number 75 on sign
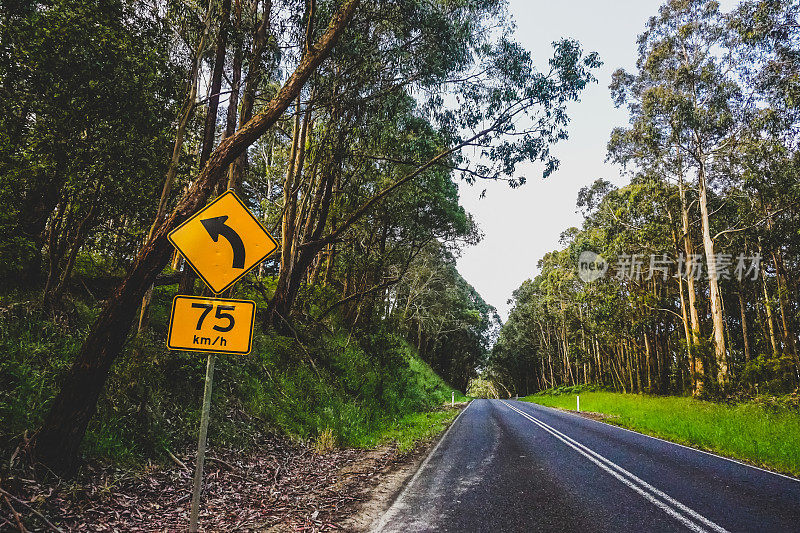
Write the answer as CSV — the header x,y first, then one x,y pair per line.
x,y
211,325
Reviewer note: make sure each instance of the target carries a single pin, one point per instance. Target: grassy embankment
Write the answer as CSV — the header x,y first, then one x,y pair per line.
x,y
323,384
761,434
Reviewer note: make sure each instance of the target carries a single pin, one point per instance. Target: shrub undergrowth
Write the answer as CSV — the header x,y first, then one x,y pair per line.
x,y
329,387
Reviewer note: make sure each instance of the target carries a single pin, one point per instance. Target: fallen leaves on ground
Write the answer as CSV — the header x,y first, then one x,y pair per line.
x,y
280,486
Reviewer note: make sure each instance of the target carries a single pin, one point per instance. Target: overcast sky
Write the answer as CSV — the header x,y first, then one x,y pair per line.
x,y
523,224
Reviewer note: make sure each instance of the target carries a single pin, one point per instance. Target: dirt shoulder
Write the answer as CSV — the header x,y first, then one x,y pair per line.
x,y
379,492
386,487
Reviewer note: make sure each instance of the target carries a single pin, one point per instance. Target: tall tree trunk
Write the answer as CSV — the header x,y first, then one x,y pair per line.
x,y
598,357
54,251
651,362
664,364
307,229
187,280
717,319
210,124
636,356
743,314
233,99
783,305
770,322
762,324
57,443
788,332
695,361
251,81
617,366
288,222
630,364
683,363
78,239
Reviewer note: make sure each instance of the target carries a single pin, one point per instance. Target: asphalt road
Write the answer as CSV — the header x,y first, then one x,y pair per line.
x,y
515,466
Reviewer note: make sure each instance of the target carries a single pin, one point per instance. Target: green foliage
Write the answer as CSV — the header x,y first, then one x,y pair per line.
x,y
765,436
361,177
30,366
352,390
770,374
711,157
568,389
410,430
446,319
88,91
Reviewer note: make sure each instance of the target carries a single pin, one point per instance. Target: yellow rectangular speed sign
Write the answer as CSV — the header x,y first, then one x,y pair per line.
x,y
211,325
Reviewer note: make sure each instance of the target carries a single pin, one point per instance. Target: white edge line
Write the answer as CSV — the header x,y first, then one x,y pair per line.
x,y
392,509
632,478
712,454
686,521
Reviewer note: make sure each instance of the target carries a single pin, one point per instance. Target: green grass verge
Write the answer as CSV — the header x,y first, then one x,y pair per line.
x,y
749,432
411,429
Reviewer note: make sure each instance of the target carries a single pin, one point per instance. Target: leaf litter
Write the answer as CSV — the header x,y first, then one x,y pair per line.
x,y
280,485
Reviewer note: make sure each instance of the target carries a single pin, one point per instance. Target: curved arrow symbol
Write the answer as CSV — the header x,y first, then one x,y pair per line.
x,y
215,227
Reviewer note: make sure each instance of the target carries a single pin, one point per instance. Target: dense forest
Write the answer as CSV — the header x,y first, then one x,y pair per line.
x,y
695,290
347,127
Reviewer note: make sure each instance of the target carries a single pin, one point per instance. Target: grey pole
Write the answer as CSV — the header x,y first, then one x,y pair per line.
x,y
201,444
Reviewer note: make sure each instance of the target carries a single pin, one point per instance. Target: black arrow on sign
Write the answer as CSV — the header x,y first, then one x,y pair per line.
x,y
215,227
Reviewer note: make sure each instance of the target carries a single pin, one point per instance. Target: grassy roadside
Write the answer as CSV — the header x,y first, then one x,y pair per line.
x,y
411,429
748,432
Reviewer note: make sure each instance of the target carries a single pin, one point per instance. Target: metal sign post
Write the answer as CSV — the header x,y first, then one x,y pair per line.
x,y
201,444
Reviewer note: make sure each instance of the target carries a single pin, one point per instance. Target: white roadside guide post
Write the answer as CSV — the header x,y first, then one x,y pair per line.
x,y
452,399
578,398
229,328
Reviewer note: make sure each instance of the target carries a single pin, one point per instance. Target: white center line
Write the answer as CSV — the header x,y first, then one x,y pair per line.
x,y
658,498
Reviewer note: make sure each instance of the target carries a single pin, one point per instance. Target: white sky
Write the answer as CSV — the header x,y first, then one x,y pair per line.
x,y
521,225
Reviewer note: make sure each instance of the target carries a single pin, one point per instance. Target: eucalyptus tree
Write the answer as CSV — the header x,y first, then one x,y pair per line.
x,y
87,92
450,324
614,330
714,97
391,50
57,443
769,60
435,50
641,149
521,355
686,97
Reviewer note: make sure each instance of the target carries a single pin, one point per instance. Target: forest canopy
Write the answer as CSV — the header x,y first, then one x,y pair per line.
x,y
346,127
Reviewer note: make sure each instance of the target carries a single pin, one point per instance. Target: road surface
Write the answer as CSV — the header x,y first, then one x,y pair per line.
x,y
515,466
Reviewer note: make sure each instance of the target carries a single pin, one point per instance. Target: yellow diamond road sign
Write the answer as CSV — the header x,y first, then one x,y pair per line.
x,y
211,325
223,241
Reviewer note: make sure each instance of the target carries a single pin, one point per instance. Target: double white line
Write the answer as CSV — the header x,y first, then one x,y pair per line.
x,y
688,517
